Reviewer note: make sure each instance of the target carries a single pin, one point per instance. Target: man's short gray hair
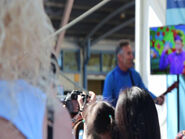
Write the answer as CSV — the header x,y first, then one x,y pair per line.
x,y
121,45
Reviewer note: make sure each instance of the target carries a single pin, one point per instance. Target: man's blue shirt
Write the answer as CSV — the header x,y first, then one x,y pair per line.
x,y
117,80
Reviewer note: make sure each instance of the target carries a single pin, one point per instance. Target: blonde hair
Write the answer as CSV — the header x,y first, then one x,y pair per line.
x,y
23,54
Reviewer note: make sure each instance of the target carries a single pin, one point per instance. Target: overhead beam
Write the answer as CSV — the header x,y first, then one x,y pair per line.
x,y
80,36
87,21
113,30
78,19
75,7
121,9
76,12
100,33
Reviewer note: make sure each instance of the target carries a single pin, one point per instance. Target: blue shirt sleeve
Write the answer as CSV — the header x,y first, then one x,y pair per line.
x,y
108,88
141,85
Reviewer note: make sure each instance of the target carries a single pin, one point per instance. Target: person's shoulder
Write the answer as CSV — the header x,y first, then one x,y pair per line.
x,y
183,52
29,89
173,53
134,72
111,73
23,88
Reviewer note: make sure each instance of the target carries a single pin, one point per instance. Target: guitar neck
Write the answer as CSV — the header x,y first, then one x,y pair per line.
x,y
174,85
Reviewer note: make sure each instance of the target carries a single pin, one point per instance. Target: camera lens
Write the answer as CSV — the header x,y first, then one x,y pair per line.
x,y
74,96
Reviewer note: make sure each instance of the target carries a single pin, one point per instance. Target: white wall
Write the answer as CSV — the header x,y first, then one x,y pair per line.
x,y
149,13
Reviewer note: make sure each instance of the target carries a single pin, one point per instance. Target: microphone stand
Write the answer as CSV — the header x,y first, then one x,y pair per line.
x,y
178,109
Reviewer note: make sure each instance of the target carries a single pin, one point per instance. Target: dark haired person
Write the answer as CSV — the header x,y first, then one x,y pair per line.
x,y
98,121
123,75
136,115
176,59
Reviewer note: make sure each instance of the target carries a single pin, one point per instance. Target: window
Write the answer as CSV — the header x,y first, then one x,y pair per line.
x,y
70,60
101,62
94,63
108,62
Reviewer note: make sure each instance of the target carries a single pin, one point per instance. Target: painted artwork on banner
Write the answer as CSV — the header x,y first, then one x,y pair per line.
x,y
167,49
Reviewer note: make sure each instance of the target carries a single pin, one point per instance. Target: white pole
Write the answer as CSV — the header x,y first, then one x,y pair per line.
x,y
78,19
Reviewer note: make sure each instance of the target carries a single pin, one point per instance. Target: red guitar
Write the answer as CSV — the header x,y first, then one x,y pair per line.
x,y
160,100
173,86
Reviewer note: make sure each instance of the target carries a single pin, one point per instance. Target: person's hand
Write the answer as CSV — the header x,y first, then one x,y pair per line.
x,y
159,100
91,99
166,47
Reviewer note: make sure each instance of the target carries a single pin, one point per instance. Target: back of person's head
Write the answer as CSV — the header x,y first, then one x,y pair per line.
x,y
99,118
121,45
23,52
136,115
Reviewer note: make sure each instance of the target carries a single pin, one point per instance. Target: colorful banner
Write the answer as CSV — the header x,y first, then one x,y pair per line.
x,y
163,49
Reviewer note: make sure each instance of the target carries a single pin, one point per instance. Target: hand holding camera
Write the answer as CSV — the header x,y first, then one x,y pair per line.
x,y
90,99
76,100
